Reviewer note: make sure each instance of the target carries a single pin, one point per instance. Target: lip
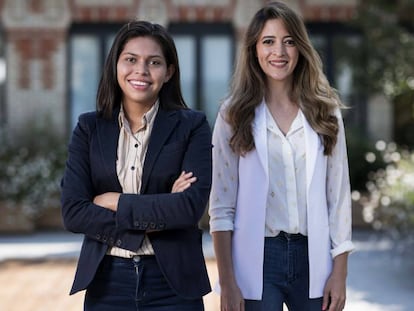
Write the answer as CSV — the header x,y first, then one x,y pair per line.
x,y
278,62
139,84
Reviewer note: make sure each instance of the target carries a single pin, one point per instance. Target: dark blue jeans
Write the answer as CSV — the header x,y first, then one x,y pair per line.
x,y
135,284
285,276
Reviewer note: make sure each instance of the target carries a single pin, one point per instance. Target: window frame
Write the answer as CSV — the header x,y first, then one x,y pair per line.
x,y
99,31
357,116
200,30
3,104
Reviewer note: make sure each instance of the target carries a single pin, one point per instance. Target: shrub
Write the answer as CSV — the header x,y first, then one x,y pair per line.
x,y
390,204
31,166
360,155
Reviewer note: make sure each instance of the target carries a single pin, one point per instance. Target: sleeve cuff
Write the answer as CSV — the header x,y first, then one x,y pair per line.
x,y
344,247
221,225
122,213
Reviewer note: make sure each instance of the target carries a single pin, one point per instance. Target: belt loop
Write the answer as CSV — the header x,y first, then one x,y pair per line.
x,y
287,236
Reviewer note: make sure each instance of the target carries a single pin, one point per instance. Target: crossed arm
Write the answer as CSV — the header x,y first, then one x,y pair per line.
x,y
109,200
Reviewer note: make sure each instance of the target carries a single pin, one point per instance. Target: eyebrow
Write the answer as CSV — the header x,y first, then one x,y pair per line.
x,y
272,37
149,56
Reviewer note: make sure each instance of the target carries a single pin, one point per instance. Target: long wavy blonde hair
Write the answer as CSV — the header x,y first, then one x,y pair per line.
x,y
310,88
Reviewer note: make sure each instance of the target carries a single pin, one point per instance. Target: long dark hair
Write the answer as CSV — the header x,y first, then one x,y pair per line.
x,y
316,98
109,95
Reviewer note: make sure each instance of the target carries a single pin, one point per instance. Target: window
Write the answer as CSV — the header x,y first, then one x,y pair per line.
x,y
88,47
337,44
206,56
205,52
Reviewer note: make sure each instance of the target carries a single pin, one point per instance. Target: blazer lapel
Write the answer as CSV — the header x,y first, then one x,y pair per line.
x,y
164,123
108,135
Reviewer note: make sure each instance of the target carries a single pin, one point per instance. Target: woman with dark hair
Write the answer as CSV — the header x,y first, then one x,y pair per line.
x,y
280,207
137,181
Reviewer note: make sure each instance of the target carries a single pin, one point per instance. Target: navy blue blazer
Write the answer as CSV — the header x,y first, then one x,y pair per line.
x,y
180,140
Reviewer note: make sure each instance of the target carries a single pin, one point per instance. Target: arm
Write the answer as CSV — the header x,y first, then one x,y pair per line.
x,y
339,205
231,297
158,209
109,200
334,295
338,193
222,211
79,213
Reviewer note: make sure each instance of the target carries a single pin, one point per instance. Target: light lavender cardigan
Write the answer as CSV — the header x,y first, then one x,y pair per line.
x,y
244,201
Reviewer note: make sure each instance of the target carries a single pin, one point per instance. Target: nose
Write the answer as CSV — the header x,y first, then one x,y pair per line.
x,y
141,68
278,49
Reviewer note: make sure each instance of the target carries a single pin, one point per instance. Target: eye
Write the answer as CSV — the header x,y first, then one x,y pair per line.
x,y
289,42
155,62
268,41
131,60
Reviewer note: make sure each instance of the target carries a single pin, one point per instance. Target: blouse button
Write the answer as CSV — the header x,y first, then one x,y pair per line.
x,y
136,146
132,168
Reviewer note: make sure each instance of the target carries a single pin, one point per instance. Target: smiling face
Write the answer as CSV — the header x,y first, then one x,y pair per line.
x,y
141,71
276,52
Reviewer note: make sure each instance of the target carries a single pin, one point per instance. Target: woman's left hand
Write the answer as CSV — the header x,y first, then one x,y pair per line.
x,y
183,182
334,294
108,200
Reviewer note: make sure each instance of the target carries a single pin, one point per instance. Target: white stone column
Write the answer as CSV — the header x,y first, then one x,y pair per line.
x,y
380,118
153,11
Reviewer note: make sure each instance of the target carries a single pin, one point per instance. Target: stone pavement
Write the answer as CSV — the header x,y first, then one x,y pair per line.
x,y
36,273
380,275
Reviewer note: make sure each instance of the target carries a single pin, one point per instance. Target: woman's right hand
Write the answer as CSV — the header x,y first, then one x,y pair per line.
x,y
231,298
183,182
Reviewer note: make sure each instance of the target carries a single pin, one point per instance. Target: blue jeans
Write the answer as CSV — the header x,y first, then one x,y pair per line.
x,y
285,276
135,284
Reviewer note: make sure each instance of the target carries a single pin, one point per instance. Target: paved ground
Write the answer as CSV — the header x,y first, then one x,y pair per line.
x,y
36,273
381,275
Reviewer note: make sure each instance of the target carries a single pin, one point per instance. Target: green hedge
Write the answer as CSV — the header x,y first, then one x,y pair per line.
x,y
31,167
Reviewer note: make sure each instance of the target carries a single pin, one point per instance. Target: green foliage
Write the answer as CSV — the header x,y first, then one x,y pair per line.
x,y
31,166
384,61
390,205
360,155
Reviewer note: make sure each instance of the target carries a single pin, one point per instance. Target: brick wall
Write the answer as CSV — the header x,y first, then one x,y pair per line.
x,y
36,40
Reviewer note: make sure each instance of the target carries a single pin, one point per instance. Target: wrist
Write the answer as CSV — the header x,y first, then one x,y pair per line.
x,y
340,265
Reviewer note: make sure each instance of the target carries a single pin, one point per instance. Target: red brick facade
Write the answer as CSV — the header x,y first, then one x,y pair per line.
x,y
333,13
40,44
32,45
37,33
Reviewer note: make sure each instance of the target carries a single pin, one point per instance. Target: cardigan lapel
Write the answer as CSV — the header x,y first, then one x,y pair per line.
x,y
260,135
313,144
164,123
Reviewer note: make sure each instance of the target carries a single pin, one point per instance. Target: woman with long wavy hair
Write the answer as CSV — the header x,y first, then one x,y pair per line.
x,y
280,207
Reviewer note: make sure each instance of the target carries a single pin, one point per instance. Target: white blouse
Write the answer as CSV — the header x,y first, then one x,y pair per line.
x,y
286,199
286,202
132,149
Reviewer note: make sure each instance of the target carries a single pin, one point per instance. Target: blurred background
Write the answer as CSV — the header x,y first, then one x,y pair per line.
x,y
51,58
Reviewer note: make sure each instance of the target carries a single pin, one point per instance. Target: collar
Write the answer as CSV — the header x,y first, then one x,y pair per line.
x,y
147,119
